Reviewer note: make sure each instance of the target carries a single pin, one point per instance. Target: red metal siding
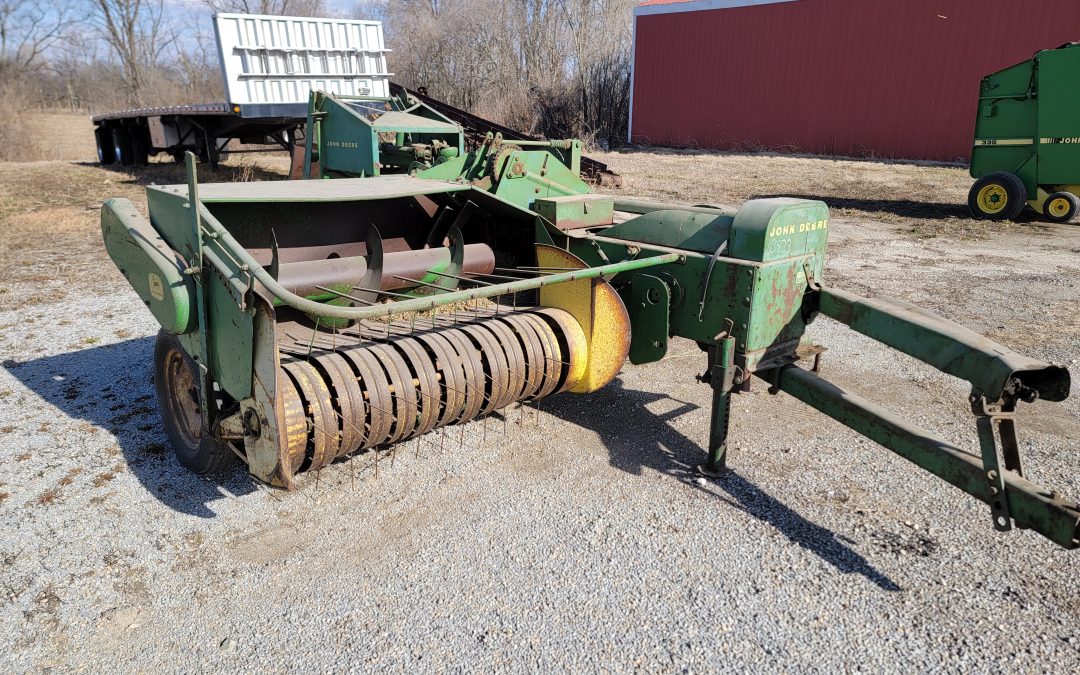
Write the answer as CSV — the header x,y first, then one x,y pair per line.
x,y
890,78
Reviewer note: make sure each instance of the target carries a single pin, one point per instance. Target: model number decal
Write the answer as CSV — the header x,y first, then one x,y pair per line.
x,y
1003,141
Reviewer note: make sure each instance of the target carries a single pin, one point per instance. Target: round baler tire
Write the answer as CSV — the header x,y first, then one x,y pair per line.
x,y
179,402
997,196
1061,207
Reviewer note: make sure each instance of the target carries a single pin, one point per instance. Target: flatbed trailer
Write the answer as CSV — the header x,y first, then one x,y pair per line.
x,y
270,65
132,136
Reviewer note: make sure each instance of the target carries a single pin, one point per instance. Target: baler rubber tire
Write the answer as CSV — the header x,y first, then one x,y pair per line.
x,y
198,452
1007,184
1065,216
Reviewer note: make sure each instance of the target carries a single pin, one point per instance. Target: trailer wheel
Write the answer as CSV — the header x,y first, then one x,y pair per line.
x,y
106,154
997,196
122,146
181,406
140,147
1060,207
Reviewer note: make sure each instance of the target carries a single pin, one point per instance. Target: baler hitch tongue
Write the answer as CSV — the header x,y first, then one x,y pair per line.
x,y
999,377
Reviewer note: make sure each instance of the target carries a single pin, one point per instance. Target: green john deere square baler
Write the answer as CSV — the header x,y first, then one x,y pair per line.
x,y
307,322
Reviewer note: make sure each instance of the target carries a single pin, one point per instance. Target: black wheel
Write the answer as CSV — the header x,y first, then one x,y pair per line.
x,y
180,403
140,147
997,196
122,146
1060,207
106,154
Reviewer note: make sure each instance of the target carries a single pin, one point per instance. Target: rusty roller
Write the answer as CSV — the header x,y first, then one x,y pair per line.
x,y
386,383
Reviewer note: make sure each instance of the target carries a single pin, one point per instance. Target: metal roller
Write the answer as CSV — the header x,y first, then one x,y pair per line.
x,y
296,426
496,382
515,359
472,365
450,370
345,395
534,354
426,381
322,435
553,355
571,341
402,391
387,382
376,388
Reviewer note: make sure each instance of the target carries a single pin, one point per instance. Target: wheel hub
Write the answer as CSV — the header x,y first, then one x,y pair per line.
x,y
993,199
181,402
1058,207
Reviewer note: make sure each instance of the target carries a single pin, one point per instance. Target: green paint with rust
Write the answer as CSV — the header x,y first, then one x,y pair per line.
x,y
756,297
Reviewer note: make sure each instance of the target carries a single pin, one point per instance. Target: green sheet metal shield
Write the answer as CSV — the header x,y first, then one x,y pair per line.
x,y
153,269
771,229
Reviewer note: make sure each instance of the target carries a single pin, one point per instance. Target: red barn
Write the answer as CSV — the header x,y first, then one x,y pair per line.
x,y
886,78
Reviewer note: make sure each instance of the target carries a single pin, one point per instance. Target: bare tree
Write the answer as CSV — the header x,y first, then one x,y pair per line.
x,y
197,70
279,7
136,32
557,68
27,30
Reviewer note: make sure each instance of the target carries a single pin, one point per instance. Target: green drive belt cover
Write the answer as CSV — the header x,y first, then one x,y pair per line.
x,y
154,270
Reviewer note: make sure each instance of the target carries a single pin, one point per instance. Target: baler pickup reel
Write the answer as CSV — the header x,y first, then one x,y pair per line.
x,y
304,322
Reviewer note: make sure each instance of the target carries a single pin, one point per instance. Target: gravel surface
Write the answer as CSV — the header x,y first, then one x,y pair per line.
x,y
573,536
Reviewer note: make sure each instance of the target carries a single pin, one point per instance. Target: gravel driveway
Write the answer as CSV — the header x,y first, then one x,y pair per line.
x,y
573,536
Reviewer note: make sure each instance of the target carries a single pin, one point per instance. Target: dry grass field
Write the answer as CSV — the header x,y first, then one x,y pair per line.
x,y
572,537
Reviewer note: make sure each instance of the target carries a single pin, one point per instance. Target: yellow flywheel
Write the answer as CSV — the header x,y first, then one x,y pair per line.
x,y
600,311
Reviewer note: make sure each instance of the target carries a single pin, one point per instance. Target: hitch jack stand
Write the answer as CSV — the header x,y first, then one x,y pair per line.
x,y
720,376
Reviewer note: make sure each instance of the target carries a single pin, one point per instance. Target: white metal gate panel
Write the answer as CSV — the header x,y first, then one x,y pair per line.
x,y
273,60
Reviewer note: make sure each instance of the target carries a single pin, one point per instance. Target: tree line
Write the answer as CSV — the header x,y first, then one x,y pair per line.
x,y
557,68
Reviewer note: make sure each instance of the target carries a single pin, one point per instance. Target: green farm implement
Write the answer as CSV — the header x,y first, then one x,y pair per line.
x,y
1027,139
360,136
306,322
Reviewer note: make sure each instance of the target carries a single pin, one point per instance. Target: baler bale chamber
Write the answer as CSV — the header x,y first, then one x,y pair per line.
x,y
304,322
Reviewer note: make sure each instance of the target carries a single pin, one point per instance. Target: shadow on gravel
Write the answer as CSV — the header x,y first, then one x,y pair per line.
x,y
110,387
899,207
638,439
